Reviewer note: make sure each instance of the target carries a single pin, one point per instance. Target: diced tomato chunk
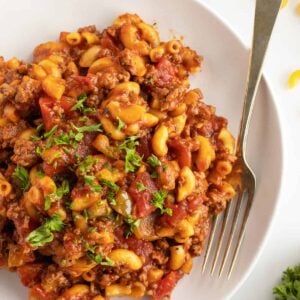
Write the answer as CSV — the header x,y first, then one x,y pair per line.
x,y
52,170
66,103
37,293
194,202
78,85
179,212
166,285
142,199
140,247
24,226
30,273
182,152
48,115
144,147
61,164
165,73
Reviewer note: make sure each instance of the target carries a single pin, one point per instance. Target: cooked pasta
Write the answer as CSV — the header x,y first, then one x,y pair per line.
x,y
111,166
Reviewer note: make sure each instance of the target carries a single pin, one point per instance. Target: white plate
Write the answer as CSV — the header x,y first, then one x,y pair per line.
x,y
24,24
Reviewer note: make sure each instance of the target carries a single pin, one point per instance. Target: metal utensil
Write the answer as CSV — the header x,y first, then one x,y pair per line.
x,y
266,12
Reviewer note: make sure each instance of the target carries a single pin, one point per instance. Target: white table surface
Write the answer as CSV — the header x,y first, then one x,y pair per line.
x,y
283,245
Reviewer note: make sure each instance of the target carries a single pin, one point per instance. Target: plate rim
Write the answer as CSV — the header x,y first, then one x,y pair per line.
x,y
264,80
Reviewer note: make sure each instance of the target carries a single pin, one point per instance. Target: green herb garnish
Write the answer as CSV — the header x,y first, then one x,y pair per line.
x,y
112,190
89,179
132,159
86,165
61,191
132,225
159,200
21,176
140,187
80,105
153,161
44,234
89,128
51,132
39,150
100,260
289,289
154,174
120,125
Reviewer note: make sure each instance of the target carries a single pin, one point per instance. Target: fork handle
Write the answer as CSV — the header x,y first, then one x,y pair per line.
x,y
266,12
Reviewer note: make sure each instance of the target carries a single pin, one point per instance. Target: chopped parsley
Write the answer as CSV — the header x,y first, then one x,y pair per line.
x,y
80,105
21,176
35,138
44,234
112,190
153,161
89,179
74,136
120,125
140,187
64,189
165,167
159,200
61,191
85,214
88,247
130,143
289,289
40,174
154,174
51,132
98,258
40,127
48,201
132,159
132,225
111,185
62,139
39,150
96,188
88,128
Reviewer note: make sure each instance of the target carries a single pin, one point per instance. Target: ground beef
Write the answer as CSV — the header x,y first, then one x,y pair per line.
x,y
8,91
128,61
10,132
89,28
201,232
111,77
94,101
216,201
27,93
24,153
54,279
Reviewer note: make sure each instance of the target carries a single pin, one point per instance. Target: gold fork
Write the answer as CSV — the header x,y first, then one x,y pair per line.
x,y
266,12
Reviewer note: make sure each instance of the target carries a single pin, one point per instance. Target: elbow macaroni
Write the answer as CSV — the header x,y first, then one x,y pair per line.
x,y
112,167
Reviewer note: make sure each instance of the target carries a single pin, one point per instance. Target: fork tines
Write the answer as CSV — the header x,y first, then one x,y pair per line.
x,y
227,228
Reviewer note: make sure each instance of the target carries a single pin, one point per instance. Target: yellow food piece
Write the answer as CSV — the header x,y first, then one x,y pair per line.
x,y
284,3
298,8
294,79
